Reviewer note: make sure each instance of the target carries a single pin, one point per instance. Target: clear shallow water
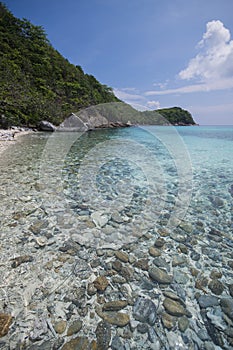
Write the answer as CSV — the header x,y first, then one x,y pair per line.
x,y
210,149
104,189
186,164
117,168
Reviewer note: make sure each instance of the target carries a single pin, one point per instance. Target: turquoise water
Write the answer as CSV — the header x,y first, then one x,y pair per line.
x,y
157,175
193,164
104,190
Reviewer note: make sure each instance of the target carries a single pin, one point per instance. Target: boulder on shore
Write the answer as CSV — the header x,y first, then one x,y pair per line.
x,y
46,126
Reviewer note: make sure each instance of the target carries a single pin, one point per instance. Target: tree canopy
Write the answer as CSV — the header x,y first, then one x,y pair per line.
x,y
177,116
37,82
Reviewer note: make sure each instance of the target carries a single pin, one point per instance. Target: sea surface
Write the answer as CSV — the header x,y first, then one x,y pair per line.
x,y
70,201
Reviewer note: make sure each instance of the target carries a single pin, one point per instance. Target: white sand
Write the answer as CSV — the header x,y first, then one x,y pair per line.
x,y
7,137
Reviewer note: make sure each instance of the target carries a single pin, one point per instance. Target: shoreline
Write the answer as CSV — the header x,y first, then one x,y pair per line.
x,y
10,136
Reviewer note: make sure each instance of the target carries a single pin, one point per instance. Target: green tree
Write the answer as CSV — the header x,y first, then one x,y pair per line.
x,y
37,82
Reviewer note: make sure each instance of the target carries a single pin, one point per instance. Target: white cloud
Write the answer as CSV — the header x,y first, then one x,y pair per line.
x,y
215,60
131,96
222,84
212,67
122,94
153,104
129,89
161,85
137,101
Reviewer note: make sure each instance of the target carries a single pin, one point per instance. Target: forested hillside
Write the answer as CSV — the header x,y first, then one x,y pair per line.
x,y
36,82
177,115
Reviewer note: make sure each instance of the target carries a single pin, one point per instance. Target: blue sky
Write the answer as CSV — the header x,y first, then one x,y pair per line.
x,y
154,53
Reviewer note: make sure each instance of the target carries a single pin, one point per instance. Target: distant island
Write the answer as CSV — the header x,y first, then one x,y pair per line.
x,y
175,115
38,83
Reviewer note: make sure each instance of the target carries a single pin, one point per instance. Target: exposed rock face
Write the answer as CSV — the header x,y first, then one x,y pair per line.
x,y
92,118
89,119
46,126
73,123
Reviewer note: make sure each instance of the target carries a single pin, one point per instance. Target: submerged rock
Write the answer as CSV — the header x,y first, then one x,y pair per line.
x,y
168,321
79,343
38,226
145,294
122,256
217,201
227,306
100,283
40,328
60,326
159,243
186,226
213,332
115,305
5,322
183,323
231,190
103,335
21,260
119,319
231,289
154,251
216,286
100,219
117,344
174,308
207,301
141,264
144,310
75,327
160,276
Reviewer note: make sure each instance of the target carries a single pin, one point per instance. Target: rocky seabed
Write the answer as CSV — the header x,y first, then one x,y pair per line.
x,y
77,277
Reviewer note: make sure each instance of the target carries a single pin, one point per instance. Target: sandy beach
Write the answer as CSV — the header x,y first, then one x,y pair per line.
x,y
9,136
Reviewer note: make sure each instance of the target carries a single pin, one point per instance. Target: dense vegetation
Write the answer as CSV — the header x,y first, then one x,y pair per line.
x,y
36,81
177,115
